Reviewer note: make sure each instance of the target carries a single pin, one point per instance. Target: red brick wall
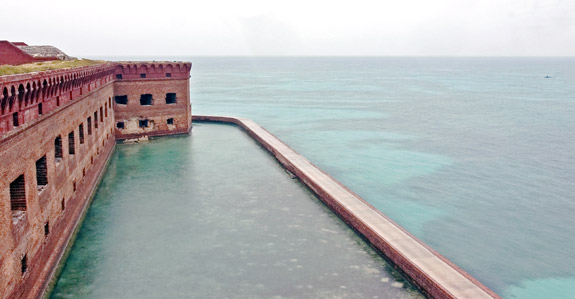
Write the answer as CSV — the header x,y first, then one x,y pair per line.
x,y
19,153
10,54
158,85
24,93
68,98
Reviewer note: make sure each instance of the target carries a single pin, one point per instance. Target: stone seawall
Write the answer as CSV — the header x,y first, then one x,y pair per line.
x,y
432,273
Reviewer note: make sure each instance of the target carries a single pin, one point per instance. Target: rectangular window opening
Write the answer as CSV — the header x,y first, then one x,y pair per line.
x,y
74,186
71,147
120,125
24,264
81,133
41,173
63,204
168,75
105,110
58,149
143,123
122,100
46,229
58,101
15,121
96,120
146,99
119,76
142,75
40,112
18,194
101,114
89,126
170,121
170,98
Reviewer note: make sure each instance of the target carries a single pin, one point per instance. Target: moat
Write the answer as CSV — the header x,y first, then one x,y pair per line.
x,y
213,215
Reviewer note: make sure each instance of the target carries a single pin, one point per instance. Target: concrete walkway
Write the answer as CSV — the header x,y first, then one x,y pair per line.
x,y
436,276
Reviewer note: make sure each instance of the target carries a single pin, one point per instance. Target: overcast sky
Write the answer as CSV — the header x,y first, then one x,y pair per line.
x,y
295,27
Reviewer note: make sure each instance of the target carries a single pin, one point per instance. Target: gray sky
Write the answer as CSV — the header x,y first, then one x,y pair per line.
x,y
295,27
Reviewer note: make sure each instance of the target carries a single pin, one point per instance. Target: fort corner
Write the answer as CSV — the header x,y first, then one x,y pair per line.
x,y
58,129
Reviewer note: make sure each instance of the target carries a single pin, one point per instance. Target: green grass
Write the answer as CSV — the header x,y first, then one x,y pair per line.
x,y
46,66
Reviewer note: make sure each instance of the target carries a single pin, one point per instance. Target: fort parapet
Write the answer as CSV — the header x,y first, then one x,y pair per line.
x,y
57,130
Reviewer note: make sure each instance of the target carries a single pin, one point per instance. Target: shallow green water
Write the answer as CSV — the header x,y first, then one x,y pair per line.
x,y
214,216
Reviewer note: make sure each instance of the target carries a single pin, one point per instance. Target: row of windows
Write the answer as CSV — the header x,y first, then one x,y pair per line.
x,y
142,75
18,120
17,187
143,123
18,195
146,99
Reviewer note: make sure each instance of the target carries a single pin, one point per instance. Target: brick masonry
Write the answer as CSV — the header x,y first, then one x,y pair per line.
x,y
69,117
168,87
11,54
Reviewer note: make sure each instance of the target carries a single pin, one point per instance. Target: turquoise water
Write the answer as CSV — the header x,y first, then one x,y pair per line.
x,y
212,215
472,155
475,156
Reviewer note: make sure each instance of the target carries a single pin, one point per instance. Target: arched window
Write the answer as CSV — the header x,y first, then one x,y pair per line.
x,y
4,101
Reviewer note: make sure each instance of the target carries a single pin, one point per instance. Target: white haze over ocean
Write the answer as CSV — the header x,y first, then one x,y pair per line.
x,y
296,27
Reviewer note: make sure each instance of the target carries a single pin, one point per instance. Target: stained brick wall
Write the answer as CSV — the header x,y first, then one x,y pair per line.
x,y
23,232
72,100
10,54
162,117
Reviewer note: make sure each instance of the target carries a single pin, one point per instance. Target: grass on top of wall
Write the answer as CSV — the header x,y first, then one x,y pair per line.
x,y
46,66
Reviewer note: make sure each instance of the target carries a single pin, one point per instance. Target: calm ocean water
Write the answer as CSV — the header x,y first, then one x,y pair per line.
x,y
475,156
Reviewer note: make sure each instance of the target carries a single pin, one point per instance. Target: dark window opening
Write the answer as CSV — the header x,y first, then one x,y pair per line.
x,y
83,171
119,76
120,125
89,126
168,75
143,123
74,186
41,173
63,204
24,264
58,148
109,102
40,109
101,114
15,121
18,194
146,99
71,147
170,98
142,75
57,101
123,100
105,110
96,120
81,133
92,160
170,121
46,229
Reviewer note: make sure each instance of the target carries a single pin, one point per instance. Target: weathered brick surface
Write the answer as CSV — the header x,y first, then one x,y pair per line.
x,y
10,54
158,85
19,154
69,98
